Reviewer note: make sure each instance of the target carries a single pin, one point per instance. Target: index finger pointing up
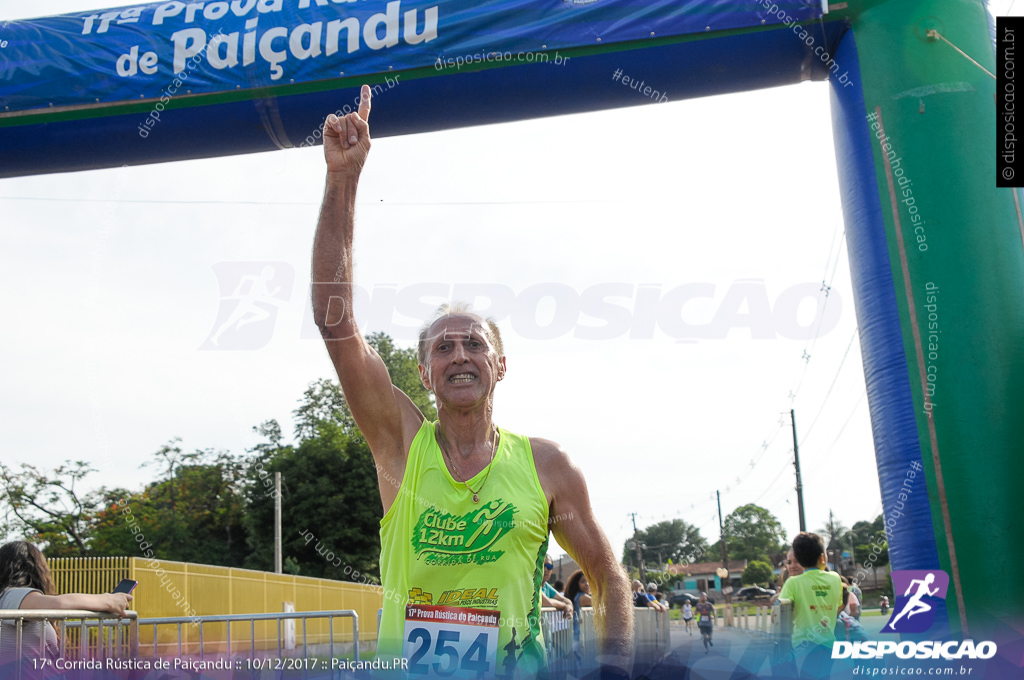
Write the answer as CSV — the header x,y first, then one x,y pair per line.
x,y
364,102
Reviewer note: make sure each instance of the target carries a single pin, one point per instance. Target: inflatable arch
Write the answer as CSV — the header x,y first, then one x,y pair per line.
x,y
936,249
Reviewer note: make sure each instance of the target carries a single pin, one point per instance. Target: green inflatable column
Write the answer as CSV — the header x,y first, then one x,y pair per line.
x,y
957,257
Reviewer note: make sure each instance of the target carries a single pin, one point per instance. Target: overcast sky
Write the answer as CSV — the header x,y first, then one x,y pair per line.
x,y
725,208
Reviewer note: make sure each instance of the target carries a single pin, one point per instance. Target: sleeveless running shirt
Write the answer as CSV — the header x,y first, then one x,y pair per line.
x,y
462,579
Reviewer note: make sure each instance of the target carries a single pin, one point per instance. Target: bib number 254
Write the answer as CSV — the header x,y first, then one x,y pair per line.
x,y
447,653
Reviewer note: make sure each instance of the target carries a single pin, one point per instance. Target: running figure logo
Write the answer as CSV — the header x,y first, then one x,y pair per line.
x,y
250,295
915,608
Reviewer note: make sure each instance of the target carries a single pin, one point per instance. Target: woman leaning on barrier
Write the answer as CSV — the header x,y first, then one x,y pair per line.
x,y
578,591
25,583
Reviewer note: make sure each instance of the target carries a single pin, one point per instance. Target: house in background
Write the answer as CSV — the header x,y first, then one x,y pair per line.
x,y
703,576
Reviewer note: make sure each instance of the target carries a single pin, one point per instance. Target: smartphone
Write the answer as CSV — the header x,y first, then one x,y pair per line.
x,y
125,586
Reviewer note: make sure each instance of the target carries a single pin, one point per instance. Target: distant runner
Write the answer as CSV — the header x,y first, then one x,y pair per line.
x,y
466,503
705,620
688,616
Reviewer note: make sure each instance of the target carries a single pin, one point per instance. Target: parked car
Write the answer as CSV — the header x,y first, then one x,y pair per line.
x,y
679,598
754,593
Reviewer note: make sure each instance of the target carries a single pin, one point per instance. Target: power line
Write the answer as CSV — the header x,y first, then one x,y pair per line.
x,y
834,379
294,203
839,434
772,483
826,287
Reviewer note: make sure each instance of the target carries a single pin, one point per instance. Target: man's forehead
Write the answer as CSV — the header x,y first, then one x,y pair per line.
x,y
455,326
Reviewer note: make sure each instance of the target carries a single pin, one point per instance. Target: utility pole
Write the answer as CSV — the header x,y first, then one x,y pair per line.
x,y
832,540
277,524
721,531
725,551
639,556
853,556
799,484
723,573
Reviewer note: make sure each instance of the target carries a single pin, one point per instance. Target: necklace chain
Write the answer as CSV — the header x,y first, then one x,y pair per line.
x,y
476,494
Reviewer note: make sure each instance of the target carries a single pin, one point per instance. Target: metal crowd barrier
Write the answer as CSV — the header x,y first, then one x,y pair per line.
x,y
651,633
80,635
90,635
228,619
567,656
782,632
738,617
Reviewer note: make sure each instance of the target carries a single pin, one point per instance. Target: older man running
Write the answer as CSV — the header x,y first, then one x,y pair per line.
x,y
466,503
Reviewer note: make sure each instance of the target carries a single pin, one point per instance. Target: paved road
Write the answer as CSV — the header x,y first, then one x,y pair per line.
x,y
734,656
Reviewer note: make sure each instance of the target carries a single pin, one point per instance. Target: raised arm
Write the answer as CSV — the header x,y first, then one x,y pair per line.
x,y
385,415
576,529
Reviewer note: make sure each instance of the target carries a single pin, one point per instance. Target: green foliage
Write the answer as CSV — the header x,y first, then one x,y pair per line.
x,y
322,402
193,514
47,509
868,532
210,507
871,547
838,538
405,375
873,554
757,573
665,580
753,533
330,500
674,540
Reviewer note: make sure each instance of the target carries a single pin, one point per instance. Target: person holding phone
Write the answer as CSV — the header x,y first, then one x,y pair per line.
x,y
26,583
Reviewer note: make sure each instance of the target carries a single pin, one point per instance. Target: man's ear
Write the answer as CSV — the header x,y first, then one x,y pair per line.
x,y
502,368
425,377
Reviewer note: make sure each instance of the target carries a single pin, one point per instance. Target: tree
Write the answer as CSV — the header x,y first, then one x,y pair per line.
x,y
757,573
330,500
871,547
753,533
866,532
835,535
674,540
192,515
324,402
48,509
330,503
405,375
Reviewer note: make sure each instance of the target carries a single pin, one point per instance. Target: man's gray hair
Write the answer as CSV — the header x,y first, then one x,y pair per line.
x,y
458,309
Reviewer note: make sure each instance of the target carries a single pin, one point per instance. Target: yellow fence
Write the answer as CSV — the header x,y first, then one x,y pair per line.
x,y
88,574
179,589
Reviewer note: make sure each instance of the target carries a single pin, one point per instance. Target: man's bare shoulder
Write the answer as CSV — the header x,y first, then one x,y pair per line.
x,y
554,466
550,456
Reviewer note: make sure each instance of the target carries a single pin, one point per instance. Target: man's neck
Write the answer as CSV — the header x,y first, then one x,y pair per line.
x,y
466,434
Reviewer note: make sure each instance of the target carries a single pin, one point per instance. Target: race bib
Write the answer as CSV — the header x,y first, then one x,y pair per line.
x,y
450,642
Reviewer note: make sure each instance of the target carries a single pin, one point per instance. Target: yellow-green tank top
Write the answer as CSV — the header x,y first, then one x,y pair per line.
x,y
462,579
